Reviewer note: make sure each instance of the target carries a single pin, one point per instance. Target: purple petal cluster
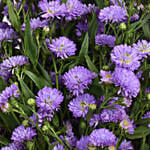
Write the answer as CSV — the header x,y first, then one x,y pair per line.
x,y
142,48
77,79
52,9
94,120
62,47
115,2
9,93
102,137
127,80
20,134
126,145
126,57
49,99
58,146
13,146
106,76
112,14
103,39
79,106
146,116
82,144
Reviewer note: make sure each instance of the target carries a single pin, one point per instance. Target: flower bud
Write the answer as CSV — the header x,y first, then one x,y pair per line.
x,y
45,128
31,101
122,26
92,106
25,123
148,96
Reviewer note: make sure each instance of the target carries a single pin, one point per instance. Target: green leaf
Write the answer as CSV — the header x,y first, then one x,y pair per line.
x,y
30,47
3,84
143,121
4,141
140,132
145,146
99,3
90,64
38,80
146,30
55,121
26,91
12,15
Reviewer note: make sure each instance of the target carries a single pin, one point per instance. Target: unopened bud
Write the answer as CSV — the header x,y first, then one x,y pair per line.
x,y
122,26
31,101
25,123
148,96
92,106
45,128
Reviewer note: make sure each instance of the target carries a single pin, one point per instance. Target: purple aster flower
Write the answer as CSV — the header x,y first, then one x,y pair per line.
x,y
112,115
112,14
82,144
20,134
58,146
9,93
126,57
82,26
142,48
35,23
106,76
115,2
102,137
147,90
135,17
146,116
13,146
74,9
94,7
127,125
127,101
79,106
128,82
49,99
77,79
52,9
126,145
94,120
103,39
62,47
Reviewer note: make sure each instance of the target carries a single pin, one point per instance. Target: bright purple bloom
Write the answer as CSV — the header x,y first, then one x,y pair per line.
x,y
106,76
79,106
146,116
20,134
9,93
127,101
126,145
142,48
103,39
58,146
126,57
74,9
112,14
128,82
52,9
77,79
13,146
102,137
62,47
94,120
135,17
49,99
82,144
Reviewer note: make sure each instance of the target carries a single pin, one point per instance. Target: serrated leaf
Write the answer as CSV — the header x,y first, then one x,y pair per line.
x,y
30,47
90,64
38,80
26,91
12,15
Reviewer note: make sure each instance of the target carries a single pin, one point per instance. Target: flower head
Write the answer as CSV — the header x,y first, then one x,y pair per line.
x,y
103,39
82,144
20,134
106,76
52,9
13,146
126,57
77,79
127,80
126,145
62,47
80,105
112,14
142,48
102,137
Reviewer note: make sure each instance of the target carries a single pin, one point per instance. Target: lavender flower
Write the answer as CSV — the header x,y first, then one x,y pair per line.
x,y
146,116
126,57
79,106
20,134
128,82
112,14
135,17
74,9
62,47
127,125
82,144
49,99
77,79
52,9
102,137
103,39
13,146
127,101
58,146
94,120
115,2
9,93
126,145
142,48
106,76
